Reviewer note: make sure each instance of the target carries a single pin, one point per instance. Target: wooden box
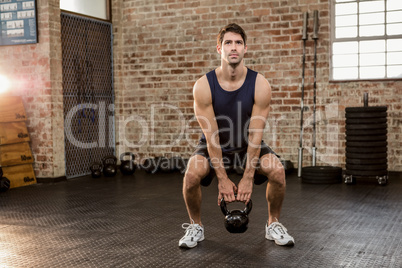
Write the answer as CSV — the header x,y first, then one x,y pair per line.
x,y
15,154
15,132
12,109
21,175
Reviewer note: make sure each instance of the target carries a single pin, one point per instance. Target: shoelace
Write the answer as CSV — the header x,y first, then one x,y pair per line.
x,y
189,227
278,226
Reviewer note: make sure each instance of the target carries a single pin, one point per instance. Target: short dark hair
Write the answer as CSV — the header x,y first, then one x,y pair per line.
x,y
234,28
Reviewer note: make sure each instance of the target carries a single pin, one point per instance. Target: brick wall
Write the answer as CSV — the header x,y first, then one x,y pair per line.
x,y
35,73
162,47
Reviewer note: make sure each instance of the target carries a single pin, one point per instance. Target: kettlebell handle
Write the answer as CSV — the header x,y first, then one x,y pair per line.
x,y
246,210
108,157
94,164
132,157
224,208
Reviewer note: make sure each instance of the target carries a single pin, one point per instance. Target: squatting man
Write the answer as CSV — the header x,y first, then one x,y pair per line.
x,y
231,104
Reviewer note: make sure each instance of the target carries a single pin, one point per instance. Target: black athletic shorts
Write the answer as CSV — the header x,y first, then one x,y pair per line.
x,y
232,159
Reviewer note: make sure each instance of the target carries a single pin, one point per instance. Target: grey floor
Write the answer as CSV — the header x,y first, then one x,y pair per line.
x,y
136,222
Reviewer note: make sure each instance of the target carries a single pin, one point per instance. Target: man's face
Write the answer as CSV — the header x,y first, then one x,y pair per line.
x,y
232,49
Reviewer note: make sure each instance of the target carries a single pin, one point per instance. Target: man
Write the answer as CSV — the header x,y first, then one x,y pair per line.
x,y
231,104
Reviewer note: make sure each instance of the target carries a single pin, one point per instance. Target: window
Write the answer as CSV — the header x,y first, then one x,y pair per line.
x,y
94,8
366,39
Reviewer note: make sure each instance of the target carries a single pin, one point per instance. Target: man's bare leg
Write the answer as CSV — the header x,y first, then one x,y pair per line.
x,y
198,168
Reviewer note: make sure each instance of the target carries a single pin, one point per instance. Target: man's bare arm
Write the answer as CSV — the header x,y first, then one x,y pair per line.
x,y
206,118
259,116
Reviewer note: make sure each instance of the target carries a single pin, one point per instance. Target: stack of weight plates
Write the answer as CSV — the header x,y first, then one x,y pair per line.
x,y
366,143
321,175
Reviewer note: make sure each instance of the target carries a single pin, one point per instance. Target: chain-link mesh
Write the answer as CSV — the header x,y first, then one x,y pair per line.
x,y
87,92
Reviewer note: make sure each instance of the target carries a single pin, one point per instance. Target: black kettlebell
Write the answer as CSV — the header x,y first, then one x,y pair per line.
x,y
4,184
181,165
149,165
109,165
96,169
164,164
288,166
127,167
236,221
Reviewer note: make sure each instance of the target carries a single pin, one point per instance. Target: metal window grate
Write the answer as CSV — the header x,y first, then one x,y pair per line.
x,y
87,92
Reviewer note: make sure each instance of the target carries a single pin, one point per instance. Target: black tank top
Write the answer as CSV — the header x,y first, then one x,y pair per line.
x,y
232,111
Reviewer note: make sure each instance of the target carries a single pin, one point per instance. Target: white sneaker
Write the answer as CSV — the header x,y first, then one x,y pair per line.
x,y
194,234
277,232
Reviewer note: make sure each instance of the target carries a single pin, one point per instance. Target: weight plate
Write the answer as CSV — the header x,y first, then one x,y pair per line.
x,y
376,132
349,179
322,170
321,181
367,172
370,109
365,156
351,138
366,144
351,121
321,175
366,167
366,115
366,150
376,161
366,126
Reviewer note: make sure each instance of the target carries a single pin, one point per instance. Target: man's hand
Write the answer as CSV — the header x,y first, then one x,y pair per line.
x,y
245,189
227,190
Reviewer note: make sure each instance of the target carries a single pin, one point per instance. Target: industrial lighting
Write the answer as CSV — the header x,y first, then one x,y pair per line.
x,y
4,83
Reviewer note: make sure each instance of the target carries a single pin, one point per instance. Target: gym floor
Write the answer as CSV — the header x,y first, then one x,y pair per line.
x,y
135,221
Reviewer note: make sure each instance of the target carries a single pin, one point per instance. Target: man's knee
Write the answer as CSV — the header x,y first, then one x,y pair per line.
x,y
278,175
191,180
197,169
272,168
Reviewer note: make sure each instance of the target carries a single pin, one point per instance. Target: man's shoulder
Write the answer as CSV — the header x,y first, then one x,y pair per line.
x,y
201,90
261,80
201,82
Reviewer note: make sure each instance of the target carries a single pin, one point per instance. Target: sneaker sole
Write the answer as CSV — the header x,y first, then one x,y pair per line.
x,y
289,243
184,245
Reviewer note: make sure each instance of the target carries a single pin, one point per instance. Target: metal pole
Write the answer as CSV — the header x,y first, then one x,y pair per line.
x,y
315,37
304,38
365,99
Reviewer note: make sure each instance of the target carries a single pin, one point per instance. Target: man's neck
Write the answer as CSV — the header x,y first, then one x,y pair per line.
x,y
232,73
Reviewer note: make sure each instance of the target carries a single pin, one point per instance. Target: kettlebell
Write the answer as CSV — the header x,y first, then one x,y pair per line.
x,y
236,221
109,165
96,169
127,167
181,164
165,165
149,165
4,184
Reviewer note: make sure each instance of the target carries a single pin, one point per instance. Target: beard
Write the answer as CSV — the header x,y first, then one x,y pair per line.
x,y
234,62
